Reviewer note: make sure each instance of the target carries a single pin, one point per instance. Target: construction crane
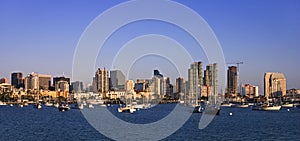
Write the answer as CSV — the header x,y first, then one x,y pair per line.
x,y
237,64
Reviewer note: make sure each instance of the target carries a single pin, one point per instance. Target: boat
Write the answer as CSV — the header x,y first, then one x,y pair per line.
x,y
91,106
38,105
271,108
212,110
48,104
227,105
2,103
21,105
64,107
266,107
242,105
80,106
127,108
287,105
198,109
11,105
56,105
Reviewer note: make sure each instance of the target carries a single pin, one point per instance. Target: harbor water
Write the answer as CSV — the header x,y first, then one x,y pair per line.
x,y
29,123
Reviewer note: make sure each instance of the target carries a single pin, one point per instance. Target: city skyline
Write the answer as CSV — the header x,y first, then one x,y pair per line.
x,y
264,35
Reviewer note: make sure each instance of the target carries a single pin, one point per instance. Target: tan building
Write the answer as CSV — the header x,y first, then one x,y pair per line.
x,y
274,84
206,91
249,91
101,80
129,86
36,81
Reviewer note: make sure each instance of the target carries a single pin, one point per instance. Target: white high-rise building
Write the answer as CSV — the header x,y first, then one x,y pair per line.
x,y
195,81
101,81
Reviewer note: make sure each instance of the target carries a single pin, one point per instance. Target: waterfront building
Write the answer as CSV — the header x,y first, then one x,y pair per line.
x,y
274,84
5,88
4,80
249,90
101,80
77,86
62,87
195,81
117,80
34,81
212,77
232,80
61,78
17,80
166,87
206,91
180,88
129,87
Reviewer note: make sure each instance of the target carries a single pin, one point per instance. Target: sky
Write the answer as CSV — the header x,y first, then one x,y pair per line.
x,y
41,36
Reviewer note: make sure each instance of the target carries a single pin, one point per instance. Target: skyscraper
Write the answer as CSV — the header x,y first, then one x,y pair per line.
x,y
36,81
117,79
195,80
211,77
102,80
232,78
17,80
274,84
77,86
179,87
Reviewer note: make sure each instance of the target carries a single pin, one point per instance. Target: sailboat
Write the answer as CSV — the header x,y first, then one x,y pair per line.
x,y
213,105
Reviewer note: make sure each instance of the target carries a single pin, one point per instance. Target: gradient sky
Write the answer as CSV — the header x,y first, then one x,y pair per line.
x,y
41,36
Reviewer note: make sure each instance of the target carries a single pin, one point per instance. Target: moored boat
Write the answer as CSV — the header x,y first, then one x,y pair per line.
x,y
287,105
64,107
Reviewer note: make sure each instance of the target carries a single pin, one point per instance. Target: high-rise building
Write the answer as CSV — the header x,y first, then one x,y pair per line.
x,y
117,79
102,80
77,86
195,80
179,87
36,81
274,84
249,90
166,91
232,80
211,78
17,80
129,87
157,73
61,78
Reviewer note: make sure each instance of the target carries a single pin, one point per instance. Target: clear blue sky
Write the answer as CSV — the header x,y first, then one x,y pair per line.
x,y
41,36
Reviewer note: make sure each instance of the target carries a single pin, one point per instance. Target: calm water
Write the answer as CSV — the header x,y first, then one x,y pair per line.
x,y
48,123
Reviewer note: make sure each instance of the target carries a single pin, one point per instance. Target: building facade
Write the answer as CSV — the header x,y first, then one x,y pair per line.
x,y
274,85
117,79
17,80
195,81
232,80
101,80
77,86
249,91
